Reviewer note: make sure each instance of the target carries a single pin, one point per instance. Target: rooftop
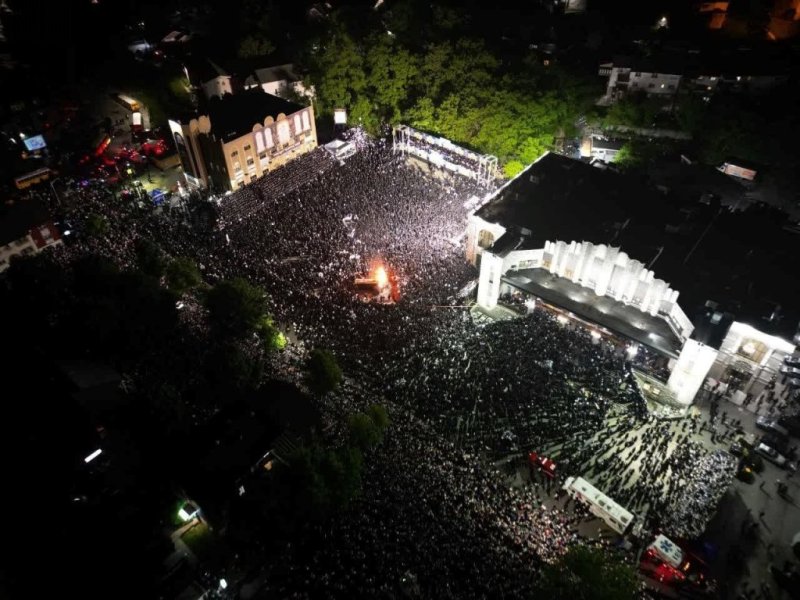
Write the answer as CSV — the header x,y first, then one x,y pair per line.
x,y
234,115
561,198
271,74
18,218
743,260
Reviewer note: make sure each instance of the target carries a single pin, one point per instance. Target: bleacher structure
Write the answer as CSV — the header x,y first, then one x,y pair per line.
x,y
443,153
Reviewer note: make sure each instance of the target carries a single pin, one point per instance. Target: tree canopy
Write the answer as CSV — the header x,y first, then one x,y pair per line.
x,y
589,573
442,80
235,307
150,258
183,275
324,373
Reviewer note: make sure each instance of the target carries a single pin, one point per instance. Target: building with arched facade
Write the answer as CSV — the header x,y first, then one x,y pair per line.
x,y
589,244
241,137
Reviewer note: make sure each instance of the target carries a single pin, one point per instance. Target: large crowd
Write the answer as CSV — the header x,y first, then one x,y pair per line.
x,y
434,512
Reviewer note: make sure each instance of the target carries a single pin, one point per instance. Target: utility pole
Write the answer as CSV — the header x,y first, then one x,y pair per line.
x,y
702,235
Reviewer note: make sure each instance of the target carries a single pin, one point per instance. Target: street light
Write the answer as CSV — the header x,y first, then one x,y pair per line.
x,y
55,193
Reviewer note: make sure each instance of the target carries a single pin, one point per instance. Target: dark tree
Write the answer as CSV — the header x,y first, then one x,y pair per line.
x,y
324,373
364,433
235,307
183,275
591,574
149,258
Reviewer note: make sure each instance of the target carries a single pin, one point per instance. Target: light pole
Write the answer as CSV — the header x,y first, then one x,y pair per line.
x,y
55,193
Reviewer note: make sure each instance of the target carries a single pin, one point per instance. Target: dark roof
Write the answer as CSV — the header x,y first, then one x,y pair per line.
x,y
692,181
18,218
607,144
234,115
743,260
562,198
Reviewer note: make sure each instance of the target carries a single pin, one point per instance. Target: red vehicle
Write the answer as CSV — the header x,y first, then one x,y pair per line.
x,y
154,147
544,464
668,563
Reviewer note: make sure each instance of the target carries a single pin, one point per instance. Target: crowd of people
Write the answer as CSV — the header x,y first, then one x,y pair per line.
x,y
691,509
434,512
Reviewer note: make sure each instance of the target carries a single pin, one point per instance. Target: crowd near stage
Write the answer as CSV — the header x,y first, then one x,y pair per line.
x,y
449,500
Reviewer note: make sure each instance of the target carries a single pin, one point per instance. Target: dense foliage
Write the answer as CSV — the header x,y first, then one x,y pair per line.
x,y
440,78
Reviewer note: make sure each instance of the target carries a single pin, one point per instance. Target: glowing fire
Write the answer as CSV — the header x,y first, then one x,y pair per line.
x,y
381,278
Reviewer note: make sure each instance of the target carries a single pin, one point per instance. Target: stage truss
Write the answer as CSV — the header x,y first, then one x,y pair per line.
x,y
443,153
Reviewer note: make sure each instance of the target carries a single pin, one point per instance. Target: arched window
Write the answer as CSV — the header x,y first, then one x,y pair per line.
x,y
485,239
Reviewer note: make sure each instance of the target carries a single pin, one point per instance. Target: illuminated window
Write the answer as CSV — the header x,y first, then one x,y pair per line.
x,y
485,238
752,349
283,132
268,138
298,127
306,122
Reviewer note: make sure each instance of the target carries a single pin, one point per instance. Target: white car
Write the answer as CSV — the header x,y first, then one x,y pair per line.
x,y
771,455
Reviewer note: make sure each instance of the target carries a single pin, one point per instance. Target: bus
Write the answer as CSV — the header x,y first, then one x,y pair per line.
x,y
619,519
32,178
128,102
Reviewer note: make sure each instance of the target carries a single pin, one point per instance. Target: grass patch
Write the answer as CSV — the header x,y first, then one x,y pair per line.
x,y
201,541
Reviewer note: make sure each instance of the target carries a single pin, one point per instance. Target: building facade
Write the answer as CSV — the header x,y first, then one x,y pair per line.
x,y
241,138
513,240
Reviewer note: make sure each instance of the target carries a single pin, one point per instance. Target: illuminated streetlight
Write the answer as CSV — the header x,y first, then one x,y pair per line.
x,y
188,512
93,455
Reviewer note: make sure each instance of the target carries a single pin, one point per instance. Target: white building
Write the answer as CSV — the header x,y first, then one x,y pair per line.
x,y
278,80
556,235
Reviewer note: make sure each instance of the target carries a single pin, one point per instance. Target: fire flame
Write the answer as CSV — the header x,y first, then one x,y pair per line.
x,y
381,278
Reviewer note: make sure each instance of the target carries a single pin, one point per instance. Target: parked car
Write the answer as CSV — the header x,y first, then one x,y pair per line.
x,y
772,425
792,361
792,372
771,455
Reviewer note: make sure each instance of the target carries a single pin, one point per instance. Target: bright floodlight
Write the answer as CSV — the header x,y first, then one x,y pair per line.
x,y
188,512
633,350
595,334
223,584
93,455
562,319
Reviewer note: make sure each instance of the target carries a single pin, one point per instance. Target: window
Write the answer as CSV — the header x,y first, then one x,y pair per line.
x,y
653,75
283,132
45,231
250,161
306,122
752,349
670,86
236,166
247,148
298,127
651,85
268,138
234,154
259,135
